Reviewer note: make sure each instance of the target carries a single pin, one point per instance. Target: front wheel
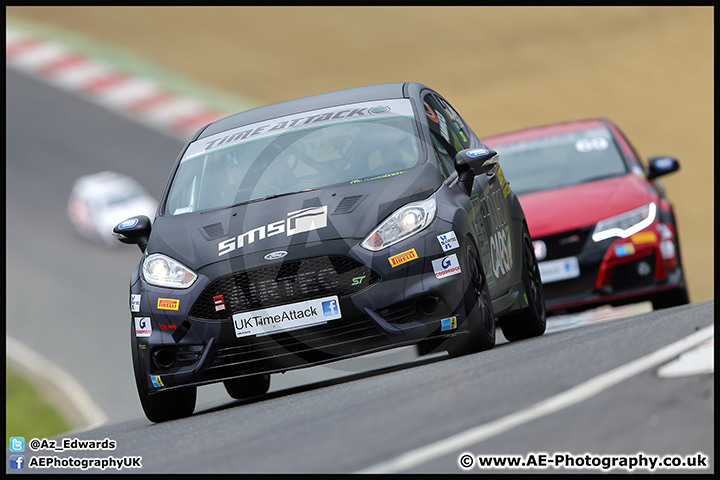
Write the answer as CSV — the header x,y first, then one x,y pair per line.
x,y
170,405
478,308
531,320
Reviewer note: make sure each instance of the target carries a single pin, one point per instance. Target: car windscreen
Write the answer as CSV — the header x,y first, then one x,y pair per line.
x,y
561,160
305,151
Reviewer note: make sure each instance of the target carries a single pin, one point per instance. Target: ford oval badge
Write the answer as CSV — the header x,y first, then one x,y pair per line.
x,y
477,152
128,224
275,255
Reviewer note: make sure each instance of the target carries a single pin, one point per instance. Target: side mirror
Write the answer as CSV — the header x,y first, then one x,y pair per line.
x,y
472,162
134,231
661,165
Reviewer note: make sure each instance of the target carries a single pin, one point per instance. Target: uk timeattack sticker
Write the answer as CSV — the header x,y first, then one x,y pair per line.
x,y
135,302
287,317
448,241
446,266
143,327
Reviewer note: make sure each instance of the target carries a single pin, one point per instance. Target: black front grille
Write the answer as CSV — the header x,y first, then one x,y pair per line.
x,y
184,355
399,313
633,274
582,285
566,244
285,349
284,283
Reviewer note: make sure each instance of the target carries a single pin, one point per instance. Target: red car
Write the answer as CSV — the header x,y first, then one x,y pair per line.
x,y
603,230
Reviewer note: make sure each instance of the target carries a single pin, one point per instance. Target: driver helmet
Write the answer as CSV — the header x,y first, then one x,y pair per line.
x,y
234,169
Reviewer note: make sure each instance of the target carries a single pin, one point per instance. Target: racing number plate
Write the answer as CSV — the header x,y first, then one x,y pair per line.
x,y
560,269
287,317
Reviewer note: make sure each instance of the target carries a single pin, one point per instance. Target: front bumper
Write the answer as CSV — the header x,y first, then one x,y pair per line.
x,y
189,337
614,271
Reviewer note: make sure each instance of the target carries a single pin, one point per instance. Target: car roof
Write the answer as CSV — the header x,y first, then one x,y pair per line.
x,y
544,130
382,91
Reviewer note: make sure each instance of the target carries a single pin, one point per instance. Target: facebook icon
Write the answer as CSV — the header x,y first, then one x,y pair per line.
x,y
17,462
330,308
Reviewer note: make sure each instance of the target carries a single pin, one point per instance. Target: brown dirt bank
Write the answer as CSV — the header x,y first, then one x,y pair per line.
x,y
650,69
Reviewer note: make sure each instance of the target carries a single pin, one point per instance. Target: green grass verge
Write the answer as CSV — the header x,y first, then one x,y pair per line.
x,y
27,413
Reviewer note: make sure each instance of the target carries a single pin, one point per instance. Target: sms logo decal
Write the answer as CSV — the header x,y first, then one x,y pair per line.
x,y
299,221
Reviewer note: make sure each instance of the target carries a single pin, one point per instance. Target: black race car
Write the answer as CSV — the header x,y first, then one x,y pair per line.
x,y
324,228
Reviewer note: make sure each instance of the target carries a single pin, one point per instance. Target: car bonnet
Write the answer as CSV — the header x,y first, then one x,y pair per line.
x,y
568,208
345,211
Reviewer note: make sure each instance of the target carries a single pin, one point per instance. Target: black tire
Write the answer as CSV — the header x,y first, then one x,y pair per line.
x,y
531,320
170,405
678,296
247,387
478,305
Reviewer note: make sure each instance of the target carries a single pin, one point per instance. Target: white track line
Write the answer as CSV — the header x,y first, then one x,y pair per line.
x,y
565,399
49,372
697,361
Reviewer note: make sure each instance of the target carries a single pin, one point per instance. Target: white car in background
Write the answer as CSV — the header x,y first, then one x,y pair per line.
x,y
100,201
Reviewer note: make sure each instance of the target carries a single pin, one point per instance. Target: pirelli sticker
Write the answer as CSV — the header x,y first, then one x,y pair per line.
x,y
403,257
168,304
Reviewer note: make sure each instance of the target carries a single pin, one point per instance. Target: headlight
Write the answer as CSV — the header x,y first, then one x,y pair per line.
x,y
163,271
625,224
404,222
